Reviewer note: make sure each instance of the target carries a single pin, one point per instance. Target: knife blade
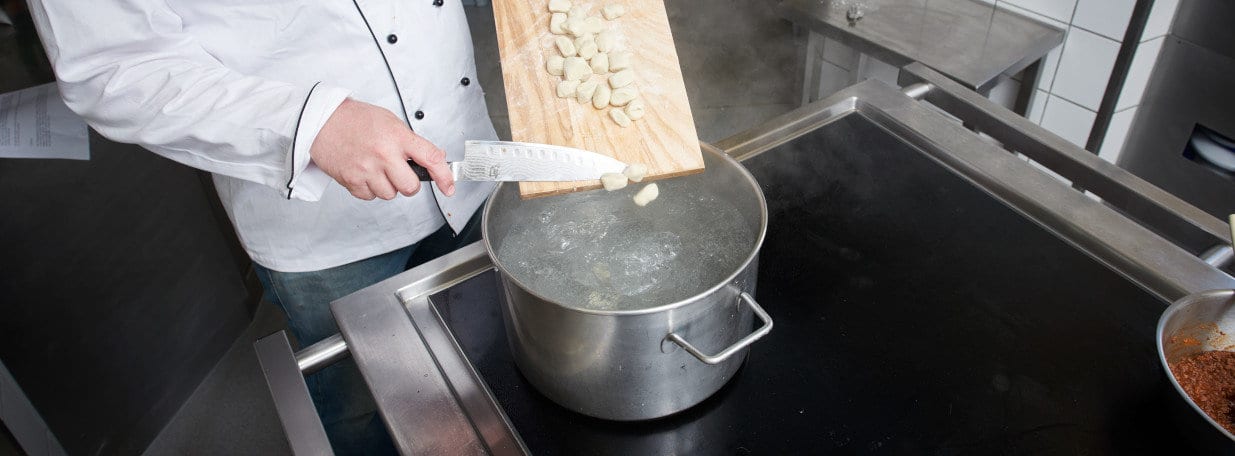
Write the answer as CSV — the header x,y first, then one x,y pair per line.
x,y
507,161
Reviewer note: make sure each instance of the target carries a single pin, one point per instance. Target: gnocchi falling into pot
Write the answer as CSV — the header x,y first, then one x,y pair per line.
x,y
634,172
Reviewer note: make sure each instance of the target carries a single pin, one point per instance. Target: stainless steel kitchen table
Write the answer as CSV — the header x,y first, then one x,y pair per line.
x,y
430,398
937,294
970,41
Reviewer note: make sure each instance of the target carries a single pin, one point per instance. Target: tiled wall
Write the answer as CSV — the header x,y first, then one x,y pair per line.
x,y
1075,74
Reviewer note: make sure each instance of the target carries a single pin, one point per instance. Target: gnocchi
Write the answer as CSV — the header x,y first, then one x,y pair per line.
x,y
576,26
555,23
646,194
606,40
554,65
622,96
619,117
619,61
587,47
613,181
635,109
565,46
613,11
567,88
585,91
600,63
635,172
576,69
600,99
622,78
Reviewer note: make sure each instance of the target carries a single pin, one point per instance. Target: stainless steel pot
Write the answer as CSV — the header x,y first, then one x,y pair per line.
x,y
645,363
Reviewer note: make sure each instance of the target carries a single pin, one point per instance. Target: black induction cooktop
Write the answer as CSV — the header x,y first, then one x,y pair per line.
x,y
914,314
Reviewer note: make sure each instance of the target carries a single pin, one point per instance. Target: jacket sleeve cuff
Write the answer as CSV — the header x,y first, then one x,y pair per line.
x,y
307,181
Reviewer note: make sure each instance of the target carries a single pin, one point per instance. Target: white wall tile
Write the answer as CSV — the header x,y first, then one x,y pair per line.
x,y
1108,18
1160,18
1068,120
1039,105
1085,67
1138,75
1116,133
1060,10
1050,65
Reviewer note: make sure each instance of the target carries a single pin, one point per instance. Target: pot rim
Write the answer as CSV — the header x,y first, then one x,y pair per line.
x,y
750,257
1176,307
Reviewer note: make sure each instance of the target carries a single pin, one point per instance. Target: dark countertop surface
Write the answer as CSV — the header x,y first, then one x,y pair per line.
x,y
914,314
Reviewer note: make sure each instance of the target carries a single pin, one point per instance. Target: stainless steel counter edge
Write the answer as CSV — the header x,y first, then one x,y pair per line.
x,y
436,275
412,340
1150,261
487,416
413,394
1114,184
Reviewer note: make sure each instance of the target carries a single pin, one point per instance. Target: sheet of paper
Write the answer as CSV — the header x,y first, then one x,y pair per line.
x,y
35,123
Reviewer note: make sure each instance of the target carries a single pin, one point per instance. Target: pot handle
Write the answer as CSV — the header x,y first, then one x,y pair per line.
x,y
726,353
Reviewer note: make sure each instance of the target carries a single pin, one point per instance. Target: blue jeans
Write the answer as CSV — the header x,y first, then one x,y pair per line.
x,y
343,400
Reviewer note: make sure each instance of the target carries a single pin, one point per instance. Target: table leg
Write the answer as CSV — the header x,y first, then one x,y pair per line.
x,y
811,70
858,67
297,414
1029,88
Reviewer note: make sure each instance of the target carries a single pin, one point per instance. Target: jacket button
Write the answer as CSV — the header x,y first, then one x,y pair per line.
x,y
465,81
437,2
392,39
419,115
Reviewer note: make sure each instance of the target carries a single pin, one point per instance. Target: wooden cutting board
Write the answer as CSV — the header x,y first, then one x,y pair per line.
x,y
664,139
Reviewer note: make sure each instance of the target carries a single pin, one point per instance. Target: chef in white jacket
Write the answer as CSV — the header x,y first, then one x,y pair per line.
x,y
306,114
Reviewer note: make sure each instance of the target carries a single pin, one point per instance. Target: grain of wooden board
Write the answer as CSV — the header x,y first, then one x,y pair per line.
x,y
665,139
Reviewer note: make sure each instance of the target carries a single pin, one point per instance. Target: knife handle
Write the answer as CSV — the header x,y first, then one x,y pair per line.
x,y
420,171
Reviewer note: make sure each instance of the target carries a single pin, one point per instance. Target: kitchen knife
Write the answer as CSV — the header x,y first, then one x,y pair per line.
x,y
516,161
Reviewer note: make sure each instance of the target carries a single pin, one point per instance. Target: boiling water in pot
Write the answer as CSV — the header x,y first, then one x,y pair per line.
x,y
598,250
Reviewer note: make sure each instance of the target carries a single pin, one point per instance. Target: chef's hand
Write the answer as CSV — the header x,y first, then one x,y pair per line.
x,y
365,149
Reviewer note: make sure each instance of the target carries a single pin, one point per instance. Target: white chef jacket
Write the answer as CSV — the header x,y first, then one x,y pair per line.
x,y
240,88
